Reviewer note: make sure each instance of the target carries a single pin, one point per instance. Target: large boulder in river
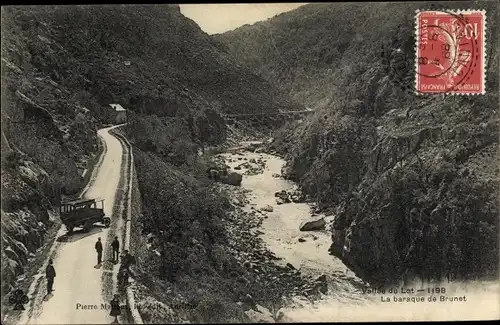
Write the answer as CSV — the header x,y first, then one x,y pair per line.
x,y
231,179
313,224
267,208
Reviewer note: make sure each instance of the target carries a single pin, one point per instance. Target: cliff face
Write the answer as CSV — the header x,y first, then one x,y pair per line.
x,y
62,64
413,179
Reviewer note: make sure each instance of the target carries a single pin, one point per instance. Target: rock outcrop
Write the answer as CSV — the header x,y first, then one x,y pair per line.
x,y
231,178
399,165
25,214
317,223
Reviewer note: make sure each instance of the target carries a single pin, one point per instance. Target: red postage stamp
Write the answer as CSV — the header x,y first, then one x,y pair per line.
x,y
450,52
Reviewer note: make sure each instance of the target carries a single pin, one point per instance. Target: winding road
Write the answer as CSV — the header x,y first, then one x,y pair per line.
x,y
78,286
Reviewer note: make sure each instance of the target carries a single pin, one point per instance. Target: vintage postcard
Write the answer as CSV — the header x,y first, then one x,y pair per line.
x,y
250,163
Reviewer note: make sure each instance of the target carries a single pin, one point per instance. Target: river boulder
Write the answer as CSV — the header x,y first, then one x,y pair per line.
x,y
232,178
267,208
313,224
282,197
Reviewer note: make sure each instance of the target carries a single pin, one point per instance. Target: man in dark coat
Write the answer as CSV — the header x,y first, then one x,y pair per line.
x,y
50,273
116,249
98,248
127,260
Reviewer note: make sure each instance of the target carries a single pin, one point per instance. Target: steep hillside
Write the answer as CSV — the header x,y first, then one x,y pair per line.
x,y
413,179
62,64
48,140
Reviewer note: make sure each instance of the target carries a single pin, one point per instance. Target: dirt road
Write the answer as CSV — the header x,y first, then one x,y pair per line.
x,y
78,288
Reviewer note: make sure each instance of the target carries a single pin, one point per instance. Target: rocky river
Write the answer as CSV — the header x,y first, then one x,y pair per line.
x,y
348,298
307,251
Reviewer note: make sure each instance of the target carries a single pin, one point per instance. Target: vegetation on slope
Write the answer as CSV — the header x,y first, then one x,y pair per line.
x,y
174,66
199,250
414,179
62,64
47,139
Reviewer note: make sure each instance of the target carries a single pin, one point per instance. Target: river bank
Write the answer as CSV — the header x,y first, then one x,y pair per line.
x,y
348,297
307,251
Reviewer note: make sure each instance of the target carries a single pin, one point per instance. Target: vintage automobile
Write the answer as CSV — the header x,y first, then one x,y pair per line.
x,y
83,213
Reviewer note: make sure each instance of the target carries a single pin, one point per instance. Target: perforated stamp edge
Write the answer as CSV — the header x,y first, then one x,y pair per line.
x,y
418,12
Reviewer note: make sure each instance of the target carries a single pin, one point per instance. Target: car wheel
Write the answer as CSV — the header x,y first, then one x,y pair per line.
x,y
106,221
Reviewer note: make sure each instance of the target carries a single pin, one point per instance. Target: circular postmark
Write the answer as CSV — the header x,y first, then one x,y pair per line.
x,y
447,49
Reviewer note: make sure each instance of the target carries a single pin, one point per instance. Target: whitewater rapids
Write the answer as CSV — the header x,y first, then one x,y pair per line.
x,y
347,298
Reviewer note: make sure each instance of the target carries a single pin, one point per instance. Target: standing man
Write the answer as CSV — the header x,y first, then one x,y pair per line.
x,y
98,248
50,273
116,249
127,259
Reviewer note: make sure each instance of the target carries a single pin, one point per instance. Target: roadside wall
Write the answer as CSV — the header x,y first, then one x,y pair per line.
x,y
132,210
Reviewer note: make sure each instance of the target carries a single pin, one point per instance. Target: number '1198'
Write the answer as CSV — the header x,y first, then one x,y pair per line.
x,y
436,290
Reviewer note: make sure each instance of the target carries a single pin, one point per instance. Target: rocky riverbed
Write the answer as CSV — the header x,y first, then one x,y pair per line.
x,y
330,291
274,211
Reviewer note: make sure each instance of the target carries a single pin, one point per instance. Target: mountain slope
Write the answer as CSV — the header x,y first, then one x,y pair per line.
x,y
413,179
62,64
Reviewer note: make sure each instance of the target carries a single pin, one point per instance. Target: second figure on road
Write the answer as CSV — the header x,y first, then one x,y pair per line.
x,y
98,248
116,250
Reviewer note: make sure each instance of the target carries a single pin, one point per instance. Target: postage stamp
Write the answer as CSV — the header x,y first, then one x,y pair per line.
x,y
450,52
